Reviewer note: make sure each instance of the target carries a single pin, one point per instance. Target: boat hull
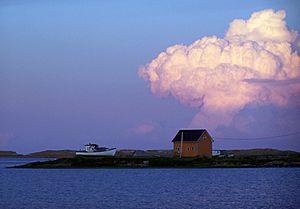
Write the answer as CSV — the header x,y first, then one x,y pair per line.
x,y
110,152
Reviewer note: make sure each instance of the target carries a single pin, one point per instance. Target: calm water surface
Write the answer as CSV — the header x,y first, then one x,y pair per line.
x,y
148,188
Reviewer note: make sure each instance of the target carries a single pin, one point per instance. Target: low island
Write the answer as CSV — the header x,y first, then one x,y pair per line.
x,y
164,159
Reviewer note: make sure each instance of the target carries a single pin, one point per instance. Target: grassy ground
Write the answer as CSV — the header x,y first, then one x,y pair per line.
x,y
292,160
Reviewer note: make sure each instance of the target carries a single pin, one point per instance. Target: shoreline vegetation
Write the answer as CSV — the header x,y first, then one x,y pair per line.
x,y
253,158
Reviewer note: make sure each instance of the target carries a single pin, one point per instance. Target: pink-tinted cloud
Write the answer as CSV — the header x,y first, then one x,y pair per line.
x,y
223,76
144,128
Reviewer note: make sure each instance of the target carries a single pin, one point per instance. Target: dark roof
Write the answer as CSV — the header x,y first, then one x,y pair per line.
x,y
189,135
90,144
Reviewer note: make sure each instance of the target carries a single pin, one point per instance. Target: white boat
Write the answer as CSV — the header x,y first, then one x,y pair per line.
x,y
95,150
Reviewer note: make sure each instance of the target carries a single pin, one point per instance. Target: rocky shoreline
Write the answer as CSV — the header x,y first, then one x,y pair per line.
x,y
166,162
129,153
127,158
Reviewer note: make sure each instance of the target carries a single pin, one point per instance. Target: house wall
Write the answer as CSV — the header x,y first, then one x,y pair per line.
x,y
200,148
205,145
189,149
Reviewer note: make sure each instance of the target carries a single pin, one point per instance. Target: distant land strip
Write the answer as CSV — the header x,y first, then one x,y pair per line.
x,y
162,159
145,153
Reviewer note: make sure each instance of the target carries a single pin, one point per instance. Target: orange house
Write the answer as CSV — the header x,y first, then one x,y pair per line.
x,y
192,143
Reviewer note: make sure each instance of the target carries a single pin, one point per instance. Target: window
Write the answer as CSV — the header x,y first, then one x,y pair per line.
x,y
204,137
192,148
188,149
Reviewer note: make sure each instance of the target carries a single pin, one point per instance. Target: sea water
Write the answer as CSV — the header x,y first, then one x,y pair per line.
x,y
148,188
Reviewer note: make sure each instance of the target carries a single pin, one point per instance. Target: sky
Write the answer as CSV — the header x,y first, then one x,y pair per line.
x,y
79,71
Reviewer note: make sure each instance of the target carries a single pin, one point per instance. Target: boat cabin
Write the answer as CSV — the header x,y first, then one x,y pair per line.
x,y
91,147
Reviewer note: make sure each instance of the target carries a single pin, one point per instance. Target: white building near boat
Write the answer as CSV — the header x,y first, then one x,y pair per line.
x,y
216,152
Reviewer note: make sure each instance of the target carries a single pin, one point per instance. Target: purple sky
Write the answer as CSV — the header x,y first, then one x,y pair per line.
x,y
69,74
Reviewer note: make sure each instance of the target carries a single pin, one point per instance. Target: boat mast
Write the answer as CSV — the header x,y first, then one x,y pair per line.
x,y
181,143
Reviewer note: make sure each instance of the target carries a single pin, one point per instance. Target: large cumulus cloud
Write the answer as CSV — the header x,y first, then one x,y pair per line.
x,y
253,64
